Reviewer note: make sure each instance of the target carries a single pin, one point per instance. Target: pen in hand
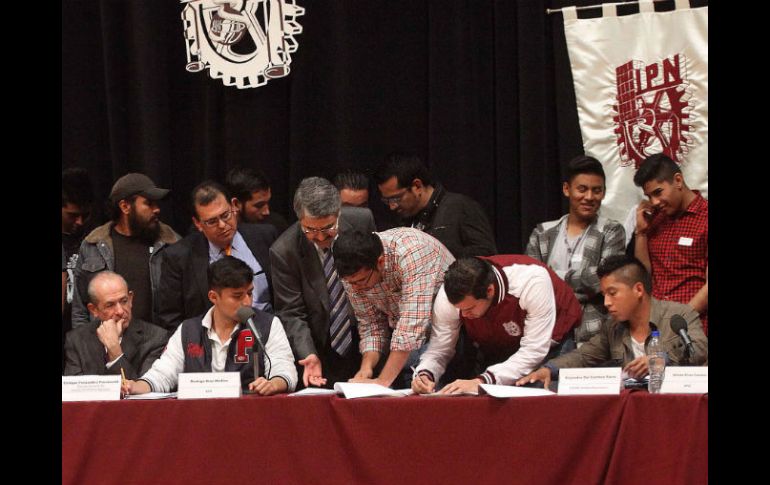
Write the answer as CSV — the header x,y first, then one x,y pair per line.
x,y
123,382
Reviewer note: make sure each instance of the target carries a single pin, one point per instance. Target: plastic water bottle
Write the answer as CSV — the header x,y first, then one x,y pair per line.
x,y
656,362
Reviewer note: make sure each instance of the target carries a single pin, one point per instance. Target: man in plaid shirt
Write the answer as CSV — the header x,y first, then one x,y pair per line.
x,y
672,235
391,279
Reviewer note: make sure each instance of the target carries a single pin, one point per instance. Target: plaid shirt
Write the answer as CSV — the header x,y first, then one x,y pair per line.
x,y
678,249
603,238
415,263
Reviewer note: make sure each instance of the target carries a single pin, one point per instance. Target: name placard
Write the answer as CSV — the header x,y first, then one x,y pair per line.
x,y
685,380
206,385
90,388
598,380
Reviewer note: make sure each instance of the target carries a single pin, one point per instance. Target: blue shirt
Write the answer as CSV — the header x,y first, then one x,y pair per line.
x,y
239,249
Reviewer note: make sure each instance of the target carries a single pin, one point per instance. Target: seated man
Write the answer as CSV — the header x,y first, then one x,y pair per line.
x,y
391,279
514,309
574,245
635,314
115,340
212,341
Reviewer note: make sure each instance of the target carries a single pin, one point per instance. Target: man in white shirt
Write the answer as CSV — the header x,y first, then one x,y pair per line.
x,y
513,308
218,342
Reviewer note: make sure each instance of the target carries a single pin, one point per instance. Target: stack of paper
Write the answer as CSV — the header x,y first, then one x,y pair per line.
x,y
313,391
153,395
512,391
352,390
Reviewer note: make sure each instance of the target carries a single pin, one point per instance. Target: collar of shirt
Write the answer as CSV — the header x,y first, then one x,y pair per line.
x,y
697,203
218,348
238,244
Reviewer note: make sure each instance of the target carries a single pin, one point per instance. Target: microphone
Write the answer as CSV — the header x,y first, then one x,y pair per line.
x,y
679,326
245,315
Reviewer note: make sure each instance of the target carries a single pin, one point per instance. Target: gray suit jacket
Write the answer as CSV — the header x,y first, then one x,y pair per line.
x,y
299,286
142,344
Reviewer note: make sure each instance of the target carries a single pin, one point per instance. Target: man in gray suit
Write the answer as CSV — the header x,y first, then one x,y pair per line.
x,y
309,298
114,341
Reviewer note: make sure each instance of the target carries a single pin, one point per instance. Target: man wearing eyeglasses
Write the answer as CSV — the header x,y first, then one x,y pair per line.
x,y
456,220
309,298
391,278
184,284
133,244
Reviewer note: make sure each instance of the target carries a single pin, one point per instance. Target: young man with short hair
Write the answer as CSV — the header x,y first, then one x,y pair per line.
x,y
218,341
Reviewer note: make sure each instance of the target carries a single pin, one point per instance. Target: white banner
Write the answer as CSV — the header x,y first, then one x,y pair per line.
x,y
641,83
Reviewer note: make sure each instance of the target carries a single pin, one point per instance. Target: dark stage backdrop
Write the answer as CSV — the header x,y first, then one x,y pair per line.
x,y
482,90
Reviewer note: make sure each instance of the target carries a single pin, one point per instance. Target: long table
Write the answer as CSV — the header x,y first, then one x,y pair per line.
x,y
633,438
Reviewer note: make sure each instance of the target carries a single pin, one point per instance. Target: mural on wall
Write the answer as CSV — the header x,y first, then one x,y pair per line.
x,y
245,43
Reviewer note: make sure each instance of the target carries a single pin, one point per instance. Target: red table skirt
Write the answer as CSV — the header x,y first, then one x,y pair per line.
x,y
624,440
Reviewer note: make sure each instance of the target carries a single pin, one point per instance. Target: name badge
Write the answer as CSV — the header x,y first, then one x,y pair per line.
x,y
685,241
205,385
685,380
90,388
597,380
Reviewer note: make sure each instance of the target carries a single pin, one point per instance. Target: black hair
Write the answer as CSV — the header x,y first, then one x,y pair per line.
x,y
584,164
468,277
657,167
405,167
205,193
229,272
351,179
627,269
355,250
241,182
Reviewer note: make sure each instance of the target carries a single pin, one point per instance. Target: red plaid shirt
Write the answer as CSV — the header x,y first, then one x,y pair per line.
x,y
415,263
678,248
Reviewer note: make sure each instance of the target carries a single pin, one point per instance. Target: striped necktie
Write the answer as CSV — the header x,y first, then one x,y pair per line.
x,y
340,325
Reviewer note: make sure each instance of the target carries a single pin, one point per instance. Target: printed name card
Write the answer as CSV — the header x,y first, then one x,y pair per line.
x,y
598,380
206,385
685,380
90,388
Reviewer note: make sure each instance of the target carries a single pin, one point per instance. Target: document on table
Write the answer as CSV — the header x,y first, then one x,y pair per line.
x,y
153,395
438,394
313,391
352,390
512,391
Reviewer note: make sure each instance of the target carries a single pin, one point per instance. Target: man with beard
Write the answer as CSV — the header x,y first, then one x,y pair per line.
x,y
251,193
132,244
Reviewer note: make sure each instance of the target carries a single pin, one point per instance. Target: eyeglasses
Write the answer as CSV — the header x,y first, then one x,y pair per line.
x,y
326,230
224,217
361,282
396,199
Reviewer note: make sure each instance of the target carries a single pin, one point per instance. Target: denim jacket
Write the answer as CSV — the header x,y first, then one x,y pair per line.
x,y
96,254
